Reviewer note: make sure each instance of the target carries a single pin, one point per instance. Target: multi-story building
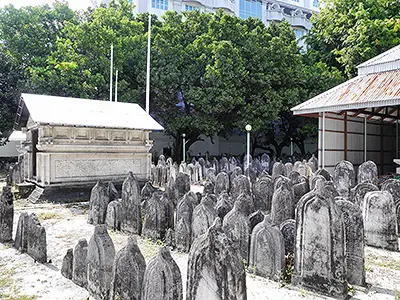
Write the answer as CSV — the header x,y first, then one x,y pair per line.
x,y
296,12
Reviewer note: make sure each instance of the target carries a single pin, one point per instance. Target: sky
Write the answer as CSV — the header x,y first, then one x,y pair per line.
x,y
74,4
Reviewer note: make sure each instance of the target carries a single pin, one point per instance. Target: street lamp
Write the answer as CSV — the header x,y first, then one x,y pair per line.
x,y
248,129
183,145
291,147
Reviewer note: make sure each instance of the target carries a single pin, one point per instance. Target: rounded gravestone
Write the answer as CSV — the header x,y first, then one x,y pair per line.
x,y
368,172
344,178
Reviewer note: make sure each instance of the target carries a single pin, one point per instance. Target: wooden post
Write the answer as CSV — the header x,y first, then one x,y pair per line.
x,y
345,135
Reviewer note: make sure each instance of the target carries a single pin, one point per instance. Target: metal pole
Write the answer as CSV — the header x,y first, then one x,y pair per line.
x,y
323,140
184,148
291,146
365,138
116,86
111,70
248,152
397,138
148,67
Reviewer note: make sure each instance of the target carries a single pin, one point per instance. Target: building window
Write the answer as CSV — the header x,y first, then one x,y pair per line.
x,y
159,4
298,33
190,7
315,3
250,8
296,0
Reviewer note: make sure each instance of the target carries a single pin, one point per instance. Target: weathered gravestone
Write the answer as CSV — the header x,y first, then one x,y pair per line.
x,y
344,178
186,206
224,205
289,167
320,246
283,205
147,191
288,229
380,221
162,279
100,263
265,160
255,218
209,187
263,191
236,226
114,215
182,184
221,183
393,187
358,192
6,214
99,200
67,264
203,216
131,209
267,250
354,239
224,164
156,217
324,173
240,185
183,234
278,169
128,273
170,238
313,163
215,268
31,237
210,174
235,173
315,179
368,172
112,192
79,263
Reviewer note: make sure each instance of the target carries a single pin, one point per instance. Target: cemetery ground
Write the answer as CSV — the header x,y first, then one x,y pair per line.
x,y
23,278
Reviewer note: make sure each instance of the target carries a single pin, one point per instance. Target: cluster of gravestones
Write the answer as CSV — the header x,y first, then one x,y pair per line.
x,y
30,236
214,269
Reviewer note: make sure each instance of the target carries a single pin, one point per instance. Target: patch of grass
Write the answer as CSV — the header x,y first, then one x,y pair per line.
x,y
8,288
18,297
368,268
148,248
46,215
396,294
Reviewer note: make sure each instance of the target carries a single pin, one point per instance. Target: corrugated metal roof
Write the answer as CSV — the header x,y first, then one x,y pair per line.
x,y
373,90
387,61
85,112
17,136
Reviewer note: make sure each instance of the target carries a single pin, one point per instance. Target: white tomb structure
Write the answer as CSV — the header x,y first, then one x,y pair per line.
x,y
73,141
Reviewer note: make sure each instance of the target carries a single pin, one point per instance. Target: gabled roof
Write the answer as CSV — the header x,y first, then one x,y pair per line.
x,y
377,85
85,112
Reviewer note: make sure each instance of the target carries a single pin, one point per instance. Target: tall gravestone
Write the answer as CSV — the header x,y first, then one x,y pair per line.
x,y
236,225
31,237
288,229
283,205
6,214
162,279
393,187
263,190
131,206
203,216
380,221
278,169
221,183
344,178
155,218
67,264
368,172
79,263
100,263
354,239
313,163
267,250
320,245
224,205
182,184
215,268
128,273
358,192
114,215
99,200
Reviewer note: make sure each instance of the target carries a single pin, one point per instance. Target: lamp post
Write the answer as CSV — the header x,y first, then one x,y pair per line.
x,y
248,129
291,146
184,146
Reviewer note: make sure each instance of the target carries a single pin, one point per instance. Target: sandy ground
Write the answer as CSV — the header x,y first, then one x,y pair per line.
x,y
22,278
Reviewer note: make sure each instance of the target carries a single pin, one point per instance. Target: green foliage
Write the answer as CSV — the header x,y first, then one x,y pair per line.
x,y
348,32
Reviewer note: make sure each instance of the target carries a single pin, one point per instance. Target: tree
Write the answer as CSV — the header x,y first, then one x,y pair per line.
x,y
348,32
9,95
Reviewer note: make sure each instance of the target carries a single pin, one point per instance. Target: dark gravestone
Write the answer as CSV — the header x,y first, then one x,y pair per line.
x,y
358,192
255,218
203,216
224,205
186,206
67,264
215,268
211,174
36,238
100,263
320,246
112,192
368,172
236,226
278,169
235,173
79,268
21,236
98,204
380,221
162,279
324,173
6,214
131,208
155,218
283,204
221,183
393,187
182,184
209,187
129,268
114,215
300,189
267,250
183,234
224,164
263,190
265,160
147,191
344,178
170,238
240,185
288,229
354,239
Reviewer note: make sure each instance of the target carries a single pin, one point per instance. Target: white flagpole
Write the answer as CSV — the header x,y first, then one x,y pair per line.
x,y
148,68
111,70
116,86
